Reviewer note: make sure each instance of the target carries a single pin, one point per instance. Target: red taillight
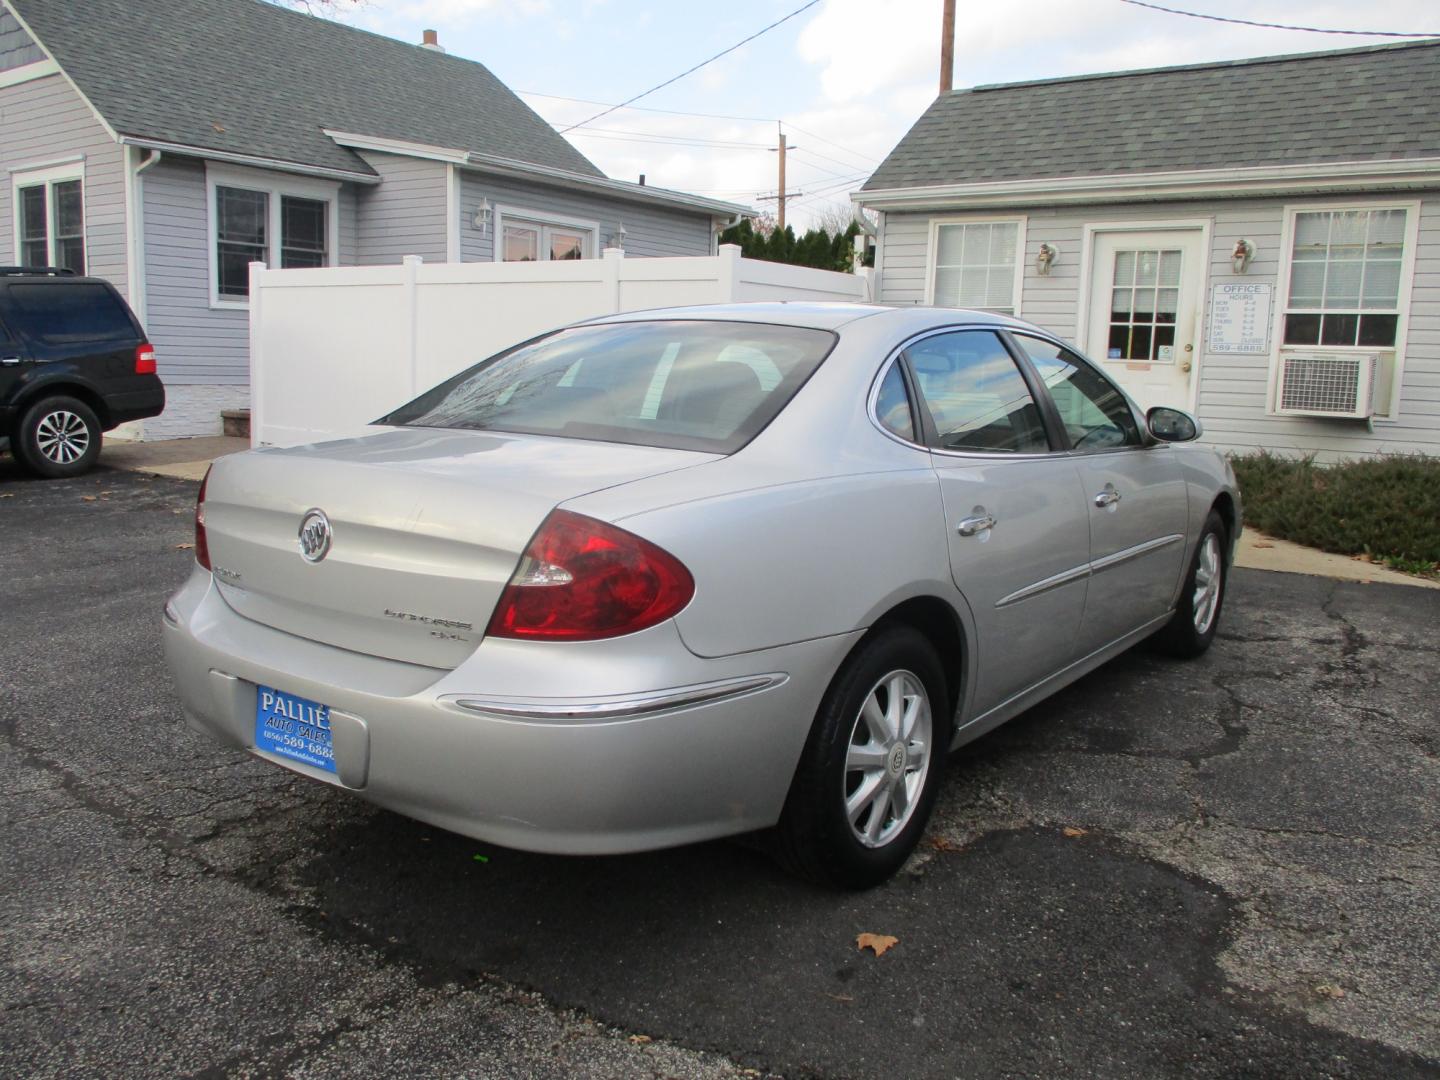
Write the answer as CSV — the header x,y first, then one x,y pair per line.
x,y
144,359
581,579
202,545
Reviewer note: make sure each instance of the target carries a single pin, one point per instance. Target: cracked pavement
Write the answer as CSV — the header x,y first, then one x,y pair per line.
x,y
1217,868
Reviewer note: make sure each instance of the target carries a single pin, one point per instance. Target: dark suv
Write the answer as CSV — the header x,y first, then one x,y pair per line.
x,y
74,362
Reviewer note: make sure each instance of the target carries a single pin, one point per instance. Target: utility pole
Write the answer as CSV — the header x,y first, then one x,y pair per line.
x,y
781,194
947,47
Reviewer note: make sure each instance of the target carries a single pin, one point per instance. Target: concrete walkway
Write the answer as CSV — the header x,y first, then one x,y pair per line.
x,y
186,459
189,458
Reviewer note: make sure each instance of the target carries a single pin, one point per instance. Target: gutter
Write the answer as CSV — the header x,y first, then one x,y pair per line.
x,y
1311,177
504,166
250,159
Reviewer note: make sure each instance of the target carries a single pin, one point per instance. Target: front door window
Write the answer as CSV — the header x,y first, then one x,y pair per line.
x,y
1143,304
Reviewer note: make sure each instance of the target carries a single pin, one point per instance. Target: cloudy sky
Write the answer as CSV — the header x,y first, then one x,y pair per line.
x,y
847,77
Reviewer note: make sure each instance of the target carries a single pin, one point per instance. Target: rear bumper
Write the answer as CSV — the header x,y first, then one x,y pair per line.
x,y
138,404
567,749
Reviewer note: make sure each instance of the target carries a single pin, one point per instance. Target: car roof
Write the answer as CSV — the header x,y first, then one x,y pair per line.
x,y
819,315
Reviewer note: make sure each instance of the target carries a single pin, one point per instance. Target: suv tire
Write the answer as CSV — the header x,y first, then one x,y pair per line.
x,y
58,437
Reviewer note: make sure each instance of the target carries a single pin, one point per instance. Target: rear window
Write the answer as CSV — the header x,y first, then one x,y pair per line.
x,y
60,312
685,385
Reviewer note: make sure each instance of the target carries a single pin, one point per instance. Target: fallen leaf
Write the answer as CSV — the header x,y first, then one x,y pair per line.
x,y
8,495
184,547
876,943
639,1040
1072,832
1262,544
942,843
1334,993
87,498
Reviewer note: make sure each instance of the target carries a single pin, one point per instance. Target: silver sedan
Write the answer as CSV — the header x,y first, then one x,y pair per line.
x,y
681,574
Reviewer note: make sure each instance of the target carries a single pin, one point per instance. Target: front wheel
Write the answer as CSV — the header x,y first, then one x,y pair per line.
x,y
58,437
1192,629
865,786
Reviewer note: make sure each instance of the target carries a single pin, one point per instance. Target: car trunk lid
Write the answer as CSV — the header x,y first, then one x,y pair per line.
x,y
426,526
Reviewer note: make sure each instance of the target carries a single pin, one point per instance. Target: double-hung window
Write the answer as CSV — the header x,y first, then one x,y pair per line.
x,y
1345,277
50,218
977,265
260,217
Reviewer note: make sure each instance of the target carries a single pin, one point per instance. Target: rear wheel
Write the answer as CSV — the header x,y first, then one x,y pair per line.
x,y
865,786
1192,629
58,437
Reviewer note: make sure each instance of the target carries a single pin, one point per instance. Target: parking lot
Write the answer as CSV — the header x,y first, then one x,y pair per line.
x,y
1219,868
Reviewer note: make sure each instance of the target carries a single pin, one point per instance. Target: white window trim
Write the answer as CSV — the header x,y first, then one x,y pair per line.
x,y
932,254
540,218
49,174
1402,324
274,185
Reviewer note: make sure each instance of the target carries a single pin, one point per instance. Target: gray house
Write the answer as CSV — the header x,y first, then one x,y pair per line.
x,y
1257,241
165,144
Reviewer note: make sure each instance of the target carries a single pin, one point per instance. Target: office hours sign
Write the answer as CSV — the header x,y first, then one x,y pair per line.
x,y
1240,319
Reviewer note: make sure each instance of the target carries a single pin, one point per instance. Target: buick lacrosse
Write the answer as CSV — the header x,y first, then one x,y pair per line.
x,y
674,575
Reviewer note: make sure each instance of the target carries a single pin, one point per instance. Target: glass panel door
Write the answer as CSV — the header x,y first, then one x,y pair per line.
x,y
521,243
1144,302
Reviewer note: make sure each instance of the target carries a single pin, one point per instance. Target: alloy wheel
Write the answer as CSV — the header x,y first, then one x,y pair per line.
x,y
888,758
1208,576
62,437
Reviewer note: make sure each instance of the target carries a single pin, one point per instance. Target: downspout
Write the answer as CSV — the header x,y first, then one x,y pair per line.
x,y
719,225
139,293
857,214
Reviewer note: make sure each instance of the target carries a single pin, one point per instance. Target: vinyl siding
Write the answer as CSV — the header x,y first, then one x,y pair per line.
x,y
404,214
43,120
195,343
649,231
17,48
1233,390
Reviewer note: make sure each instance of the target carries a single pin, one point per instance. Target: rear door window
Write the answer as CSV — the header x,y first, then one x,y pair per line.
x,y
63,312
682,384
976,396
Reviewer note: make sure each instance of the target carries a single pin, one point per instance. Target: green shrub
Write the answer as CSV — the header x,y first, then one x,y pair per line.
x,y
1386,507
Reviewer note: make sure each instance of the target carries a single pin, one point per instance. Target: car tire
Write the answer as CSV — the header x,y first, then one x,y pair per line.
x,y
1191,630
863,792
58,437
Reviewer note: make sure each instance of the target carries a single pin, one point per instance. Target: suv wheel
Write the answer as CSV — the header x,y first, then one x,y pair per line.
x,y
58,437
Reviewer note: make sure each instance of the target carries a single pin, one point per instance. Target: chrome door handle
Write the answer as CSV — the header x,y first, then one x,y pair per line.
x,y
1108,497
9,361
973,526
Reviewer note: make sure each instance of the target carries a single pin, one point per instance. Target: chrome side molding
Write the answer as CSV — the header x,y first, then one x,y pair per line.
x,y
619,708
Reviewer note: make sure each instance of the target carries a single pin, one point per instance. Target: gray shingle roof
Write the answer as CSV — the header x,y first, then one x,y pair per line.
x,y
1374,103
246,77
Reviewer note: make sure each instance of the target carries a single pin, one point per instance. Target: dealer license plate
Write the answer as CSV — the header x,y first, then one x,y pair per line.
x,y
293,727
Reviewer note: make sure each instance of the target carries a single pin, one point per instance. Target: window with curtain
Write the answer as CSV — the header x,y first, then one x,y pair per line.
x,y
975,265
242,220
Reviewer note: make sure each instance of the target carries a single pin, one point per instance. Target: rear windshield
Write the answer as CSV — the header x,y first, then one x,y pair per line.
x,y
60,312
685,385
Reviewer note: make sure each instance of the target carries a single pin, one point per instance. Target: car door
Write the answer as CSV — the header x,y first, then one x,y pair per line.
x,y
1018,536
1134,493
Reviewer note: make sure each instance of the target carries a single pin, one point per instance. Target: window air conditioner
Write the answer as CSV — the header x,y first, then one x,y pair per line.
x,y
1336,384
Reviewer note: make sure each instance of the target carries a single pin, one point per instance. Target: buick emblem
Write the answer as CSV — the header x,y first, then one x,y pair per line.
x,y
315,535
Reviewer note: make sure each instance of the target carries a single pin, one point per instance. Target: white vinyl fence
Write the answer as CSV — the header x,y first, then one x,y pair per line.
x,y
331,349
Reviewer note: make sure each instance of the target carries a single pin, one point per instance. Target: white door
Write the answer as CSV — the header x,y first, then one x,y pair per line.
x,y
1144,326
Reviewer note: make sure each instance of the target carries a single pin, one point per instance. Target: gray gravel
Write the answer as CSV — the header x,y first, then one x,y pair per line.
x,y
1218,868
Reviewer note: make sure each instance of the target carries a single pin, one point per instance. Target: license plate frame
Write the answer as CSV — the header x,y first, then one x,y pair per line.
x,y
293,728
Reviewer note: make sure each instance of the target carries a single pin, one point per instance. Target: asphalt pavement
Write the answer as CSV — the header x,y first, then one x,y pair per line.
x,y
1210,869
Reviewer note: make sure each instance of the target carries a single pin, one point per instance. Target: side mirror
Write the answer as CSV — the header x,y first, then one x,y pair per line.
x,y
1172,425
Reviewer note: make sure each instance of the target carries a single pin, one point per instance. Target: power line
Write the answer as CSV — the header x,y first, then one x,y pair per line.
x,y
697,67
830,172
831,142
647,108
1280,26
660,136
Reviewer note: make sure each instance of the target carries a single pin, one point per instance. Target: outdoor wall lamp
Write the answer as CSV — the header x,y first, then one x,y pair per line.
x,y
617,238
1045,258
483,213
1241,256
